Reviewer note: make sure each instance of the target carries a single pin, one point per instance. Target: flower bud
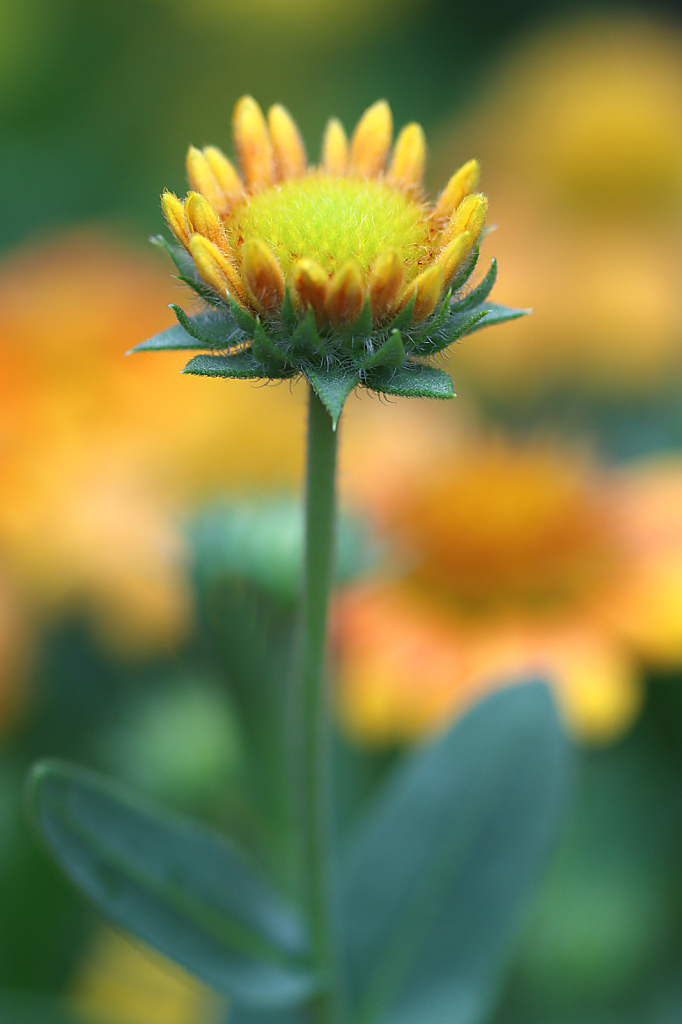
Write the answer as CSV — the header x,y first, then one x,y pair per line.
x,y
262,275
372,140
309,284
460,185
346,294
202,219
453,255
224,171
335,149
428,287
202,179
287,144
385,283
216,268
174,212
253,143
469,216
409,156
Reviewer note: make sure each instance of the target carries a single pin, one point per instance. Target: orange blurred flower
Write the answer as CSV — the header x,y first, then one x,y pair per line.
x,y
520,560
99,454
580,139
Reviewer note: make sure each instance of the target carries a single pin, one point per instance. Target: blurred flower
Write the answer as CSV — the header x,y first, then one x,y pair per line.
x,y
521,560
124,983
581,141
96,464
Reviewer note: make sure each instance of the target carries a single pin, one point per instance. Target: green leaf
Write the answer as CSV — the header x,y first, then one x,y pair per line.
x,y
333,387
362,328
404,317
497,314
240,364
391,354
215,330
243,319
287,312
174,337
264,349
436,880
306,334
455,328
412,380
186,892
480,293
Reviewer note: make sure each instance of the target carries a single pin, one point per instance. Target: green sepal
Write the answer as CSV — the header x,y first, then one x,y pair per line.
x,y
362,328
187,269
480,293
241,365
287,312
264,349
173,338
180,888
456,327
214,330
412,380
332,387
306,334
404,317
244,320
467,270
495,313
391,354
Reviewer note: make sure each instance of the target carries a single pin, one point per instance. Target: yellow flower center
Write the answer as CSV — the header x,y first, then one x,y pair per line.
x,y
332,220
507,530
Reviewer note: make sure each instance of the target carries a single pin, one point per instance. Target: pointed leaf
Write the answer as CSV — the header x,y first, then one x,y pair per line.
x,y
215,330
480,293
496,314
435,881
287,312
362,328
412,380
173,338
391,354
240,364
404,317
264,348
178,887
243,319
333,387
456,327
306,334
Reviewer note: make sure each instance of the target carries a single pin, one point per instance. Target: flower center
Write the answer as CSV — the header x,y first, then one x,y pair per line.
x,y
509,531
333,219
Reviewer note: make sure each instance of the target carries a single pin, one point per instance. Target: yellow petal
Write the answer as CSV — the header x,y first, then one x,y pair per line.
x,y
409,157
224,171
335,149
202,219
469,216
174,212
202,179
372,140
216,268
428,286
460,185
290,156
450,258
253,143
262,275
346,294
385,283
309,284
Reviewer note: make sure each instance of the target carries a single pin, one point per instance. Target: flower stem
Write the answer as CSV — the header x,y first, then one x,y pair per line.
x,y
316,716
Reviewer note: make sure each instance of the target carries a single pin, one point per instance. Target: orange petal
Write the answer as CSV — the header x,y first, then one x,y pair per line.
x,y
253,143
174,212
335,149
202,179
450,258
469,216
262,275
385,283
346,294
428,286
372,140
216,268
409,157
224,171
309,284
290,156
460,185
202,219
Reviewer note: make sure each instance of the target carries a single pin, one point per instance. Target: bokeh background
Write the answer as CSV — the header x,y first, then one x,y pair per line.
x,y
149,532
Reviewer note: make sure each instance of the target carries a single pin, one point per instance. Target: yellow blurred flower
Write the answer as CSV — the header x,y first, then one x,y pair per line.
x,y
581,141
96,464
521,560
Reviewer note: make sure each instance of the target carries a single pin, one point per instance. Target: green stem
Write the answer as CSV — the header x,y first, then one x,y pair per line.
x,y
316,714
